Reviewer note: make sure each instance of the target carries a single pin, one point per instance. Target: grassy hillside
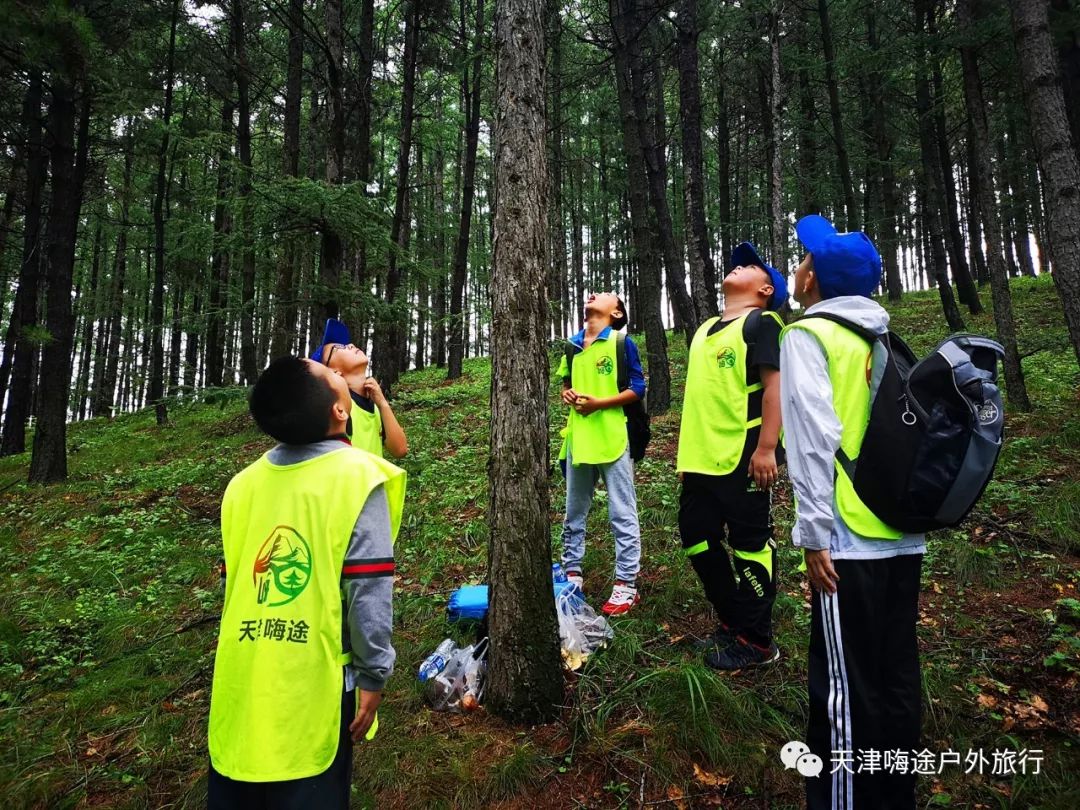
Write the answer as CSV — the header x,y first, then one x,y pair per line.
x,y
109,600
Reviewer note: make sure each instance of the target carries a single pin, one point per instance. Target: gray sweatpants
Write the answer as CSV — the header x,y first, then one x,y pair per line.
x,y
618,477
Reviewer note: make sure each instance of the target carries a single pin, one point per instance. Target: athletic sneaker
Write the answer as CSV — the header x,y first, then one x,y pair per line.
x,y
623,597
740,655
720,638
575,578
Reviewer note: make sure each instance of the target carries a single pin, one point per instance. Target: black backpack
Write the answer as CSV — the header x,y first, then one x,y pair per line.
x,y
935,431
638,429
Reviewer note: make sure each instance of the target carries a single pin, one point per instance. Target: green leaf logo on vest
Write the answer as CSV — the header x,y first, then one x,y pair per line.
x,y
282,567
725,358
604,366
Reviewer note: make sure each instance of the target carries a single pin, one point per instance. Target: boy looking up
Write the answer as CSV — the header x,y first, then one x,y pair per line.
x,y
597,445
727,460
372,424
864,657
308,534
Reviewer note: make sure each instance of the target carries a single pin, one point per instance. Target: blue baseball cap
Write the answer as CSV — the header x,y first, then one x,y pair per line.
x,y
745,255
844,263
335,332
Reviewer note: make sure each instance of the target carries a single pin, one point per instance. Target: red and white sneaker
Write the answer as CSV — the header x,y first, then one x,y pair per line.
x,y
623,597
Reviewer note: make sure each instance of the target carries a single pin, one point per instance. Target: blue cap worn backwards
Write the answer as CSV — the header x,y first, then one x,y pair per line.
x,y
844,263
745,255
335,332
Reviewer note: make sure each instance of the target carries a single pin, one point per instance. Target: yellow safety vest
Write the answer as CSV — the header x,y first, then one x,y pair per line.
x,y
366,429
715,416
600,437
275,708
849,358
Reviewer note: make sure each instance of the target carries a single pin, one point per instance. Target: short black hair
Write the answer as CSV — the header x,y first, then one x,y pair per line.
x,y
619,323
291,404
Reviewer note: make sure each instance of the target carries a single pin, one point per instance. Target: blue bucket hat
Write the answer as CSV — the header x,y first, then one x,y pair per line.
x,y
745,255
844,263
335,332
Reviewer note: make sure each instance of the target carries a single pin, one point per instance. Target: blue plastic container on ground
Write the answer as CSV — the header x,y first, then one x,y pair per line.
x,y
470,602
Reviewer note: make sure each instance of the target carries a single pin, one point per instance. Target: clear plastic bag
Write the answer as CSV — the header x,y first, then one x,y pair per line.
x,y
582,631
460,685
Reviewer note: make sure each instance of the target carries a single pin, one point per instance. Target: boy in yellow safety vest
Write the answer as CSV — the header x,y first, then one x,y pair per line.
x,y
864,679
727,460
372,424
597,445
308,533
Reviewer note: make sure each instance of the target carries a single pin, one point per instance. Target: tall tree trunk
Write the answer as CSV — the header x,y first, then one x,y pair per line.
x,y
219,256
558,278
1058,163
248,363
438,324
390,334
702,269
777,218
48,460
975,226
652,130
1065,16
470,85
883,147
18,349
851,218
807,175
987,202
965,285
526,672
283,338
331,248
930,191
157,308
723,166
105,395
90,309
621,15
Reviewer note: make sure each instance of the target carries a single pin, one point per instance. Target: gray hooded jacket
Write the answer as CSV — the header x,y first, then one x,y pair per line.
x,y
812,437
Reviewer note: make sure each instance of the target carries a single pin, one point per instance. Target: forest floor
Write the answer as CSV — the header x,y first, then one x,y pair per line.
x,y
109,600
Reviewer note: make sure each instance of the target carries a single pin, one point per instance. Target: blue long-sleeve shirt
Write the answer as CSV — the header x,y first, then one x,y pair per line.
x,y
633,358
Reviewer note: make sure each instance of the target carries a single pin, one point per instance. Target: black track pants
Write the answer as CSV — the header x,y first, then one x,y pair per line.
x,y
864,683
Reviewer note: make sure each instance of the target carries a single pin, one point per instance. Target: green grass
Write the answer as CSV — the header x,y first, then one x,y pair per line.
x,y
109,597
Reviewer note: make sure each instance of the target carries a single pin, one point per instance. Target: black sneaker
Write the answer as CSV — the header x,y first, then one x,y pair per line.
x,y
741,655
723,636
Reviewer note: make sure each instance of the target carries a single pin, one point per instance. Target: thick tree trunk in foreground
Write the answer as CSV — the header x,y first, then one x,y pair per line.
x,y
984,185
526,682
1058,163
851,220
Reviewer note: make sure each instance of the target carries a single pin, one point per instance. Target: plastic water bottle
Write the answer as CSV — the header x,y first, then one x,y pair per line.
x,y
435,662
557,573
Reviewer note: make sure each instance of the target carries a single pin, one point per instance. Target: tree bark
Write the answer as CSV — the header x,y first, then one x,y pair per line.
x,y
48,461
1058,163
331,248
702,269
525,680
777,220
987,203
248,364
1065,23
470,85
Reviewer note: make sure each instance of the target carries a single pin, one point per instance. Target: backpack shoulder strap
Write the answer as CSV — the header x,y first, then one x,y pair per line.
x,y
750,329
622,362
569,352
851,326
